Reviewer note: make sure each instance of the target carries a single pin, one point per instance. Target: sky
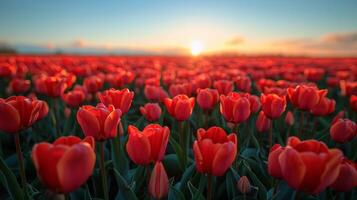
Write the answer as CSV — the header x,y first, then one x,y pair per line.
x,y
302,27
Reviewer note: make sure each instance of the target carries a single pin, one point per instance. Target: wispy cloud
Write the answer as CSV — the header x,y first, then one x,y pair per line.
x,y
236,40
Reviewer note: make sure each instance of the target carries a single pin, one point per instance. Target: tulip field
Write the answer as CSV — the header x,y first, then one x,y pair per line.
x,y
160,127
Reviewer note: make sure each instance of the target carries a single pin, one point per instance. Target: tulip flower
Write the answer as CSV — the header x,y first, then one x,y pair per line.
x,y
7,70
120,99
340,115
223,86
214,151
273,105
176,89
100,122
74,98
347,177
307,166
263,122
93,84
254,103
155,93
66,164
159,182
305,97
19,112
180,107
353,102
207,98
151,111
152,142
235,107
52,86
343,130
19,86
325,107
243,83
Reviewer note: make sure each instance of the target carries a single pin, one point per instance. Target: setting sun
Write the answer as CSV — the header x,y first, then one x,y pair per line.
x,y
196,48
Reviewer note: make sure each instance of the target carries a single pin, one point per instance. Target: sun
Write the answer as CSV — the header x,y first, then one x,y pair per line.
x,y
196,48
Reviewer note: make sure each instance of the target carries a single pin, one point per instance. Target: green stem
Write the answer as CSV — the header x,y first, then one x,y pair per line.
x,y
209,187
21,161
102,170
182,141
271,134
301,124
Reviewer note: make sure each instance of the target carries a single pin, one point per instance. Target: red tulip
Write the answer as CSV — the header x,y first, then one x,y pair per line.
x,y
340,115
207,98
155,93
19,112
120,99
180,107
305,97
152,142
176,89
74,98
347,178
353,102
224,86
19,86
151,111
100,122
52,86
7,70
273,105
159,182
348,88
254,103
243,83
325,107
343,130
93,84
235,107
66,164
214,151
305,165
289,118
263,122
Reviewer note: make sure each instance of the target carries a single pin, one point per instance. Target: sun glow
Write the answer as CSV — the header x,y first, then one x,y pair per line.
x,y
196,48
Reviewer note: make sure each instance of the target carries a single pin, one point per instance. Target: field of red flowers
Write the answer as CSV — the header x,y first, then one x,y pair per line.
x,y
106,127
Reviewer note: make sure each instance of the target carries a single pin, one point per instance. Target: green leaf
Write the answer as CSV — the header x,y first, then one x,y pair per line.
x,y
186,176
175,194
195,193
125,188
179,152
10,182
262,193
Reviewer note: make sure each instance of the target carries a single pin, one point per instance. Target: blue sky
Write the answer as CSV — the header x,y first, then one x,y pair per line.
x,y
169,24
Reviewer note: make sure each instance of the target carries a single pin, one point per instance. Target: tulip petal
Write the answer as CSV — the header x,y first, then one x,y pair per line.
x,y
274,168
75,166
111,123
9,118
292,167
135,142
88,123
224,158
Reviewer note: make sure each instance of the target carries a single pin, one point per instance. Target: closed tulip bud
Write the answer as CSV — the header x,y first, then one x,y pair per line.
x,y
343,130
347,177
353,102
223,86
120,99
235,107
180,107
289,118
19,86
207,98
214,151
74,98
307,166
152,142
273,105
93,84
243,185
325,107
18,113
159,182
151,111
263,122
305,97
100,122
66,164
